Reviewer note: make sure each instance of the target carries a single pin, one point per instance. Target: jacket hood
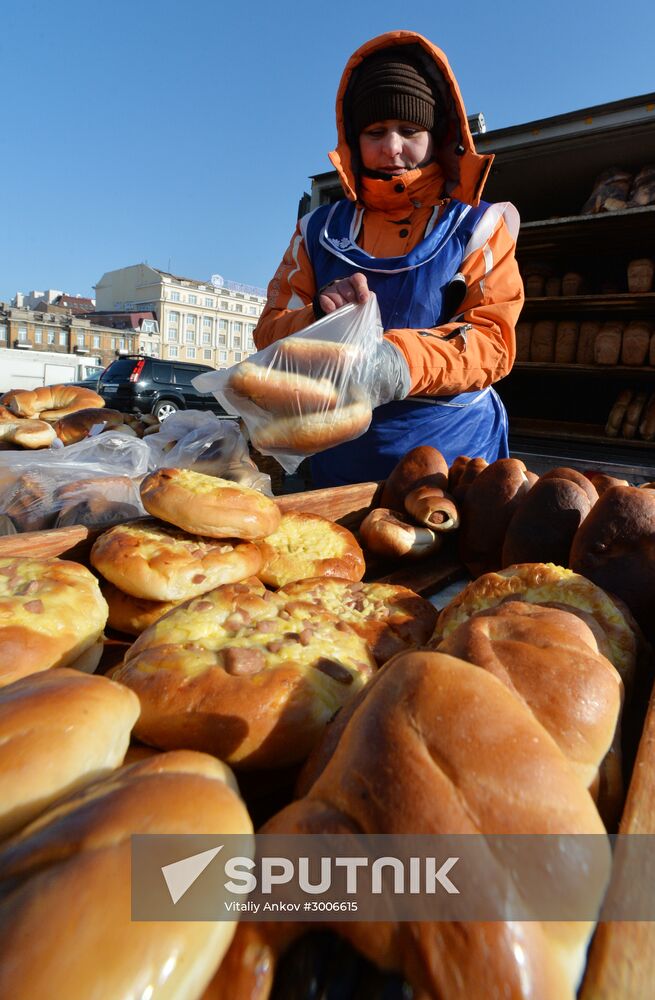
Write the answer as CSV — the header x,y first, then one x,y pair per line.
x,y
465,170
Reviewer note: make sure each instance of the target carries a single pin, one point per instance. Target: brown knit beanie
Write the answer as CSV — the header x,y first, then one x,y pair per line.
x,y
389,85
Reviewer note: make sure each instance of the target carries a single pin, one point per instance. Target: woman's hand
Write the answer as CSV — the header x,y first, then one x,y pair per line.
x,y
342,291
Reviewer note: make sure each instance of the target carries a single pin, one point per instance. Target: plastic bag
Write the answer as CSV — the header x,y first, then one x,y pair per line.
x,y
191,439
642,191
310,391
610,192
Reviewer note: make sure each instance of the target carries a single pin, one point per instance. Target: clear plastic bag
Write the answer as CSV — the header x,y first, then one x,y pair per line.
x,y
191,439
610,192
310,391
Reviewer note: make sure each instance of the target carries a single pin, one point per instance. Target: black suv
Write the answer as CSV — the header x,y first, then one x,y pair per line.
x,y
150,385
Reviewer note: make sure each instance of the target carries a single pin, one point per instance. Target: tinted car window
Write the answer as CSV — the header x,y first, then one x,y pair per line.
x,y
119,370
184,376
162,373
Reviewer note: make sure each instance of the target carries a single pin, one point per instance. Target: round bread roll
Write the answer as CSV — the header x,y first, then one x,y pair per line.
x,y
543,525
391,619
543,583
76,426
50,402
421,466
308,545
313,432
161,563
51,612
27,433
279,391
252,679
579,478
462,473
602,481
66,927
615,549
60,729
388,534
318,358
207,505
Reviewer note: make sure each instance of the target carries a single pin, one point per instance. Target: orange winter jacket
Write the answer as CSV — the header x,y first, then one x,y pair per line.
x,y
393,222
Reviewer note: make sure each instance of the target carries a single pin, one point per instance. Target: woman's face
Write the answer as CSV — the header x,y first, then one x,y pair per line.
x,y
393,147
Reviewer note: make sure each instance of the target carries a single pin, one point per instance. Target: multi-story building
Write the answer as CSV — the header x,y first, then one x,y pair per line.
x,y
211,322
63,333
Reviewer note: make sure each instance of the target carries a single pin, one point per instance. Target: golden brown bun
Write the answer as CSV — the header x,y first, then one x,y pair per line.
x,y
540,652
462,473
393,536
50,402
317,357
70,882
207,505
422,466
60,729
308,545
314,432
614,548
544,583
77,425
566,341
391,619
543,525
579,478
158,562
279,391
602,481
487,507
465,747
27,433
51,612
252,679
429,505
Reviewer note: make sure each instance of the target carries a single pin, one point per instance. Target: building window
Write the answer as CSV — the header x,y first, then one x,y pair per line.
x,y
190,352
51,336
193,300
3,331
252,310
80,340
172,334
155,352
238,327
22,334
113,343
209,303
173,318
237,341
206,338
96,342
121,343
222,324
62,338
207,322
172,352
237,355
190,337
222,355
175,297
238,308
207,354
38,337
191,320
222,339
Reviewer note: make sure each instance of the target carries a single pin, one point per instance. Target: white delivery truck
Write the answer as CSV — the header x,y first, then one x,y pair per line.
x,y
24,369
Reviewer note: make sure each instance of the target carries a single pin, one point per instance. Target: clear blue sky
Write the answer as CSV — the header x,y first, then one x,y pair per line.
x,y
184,133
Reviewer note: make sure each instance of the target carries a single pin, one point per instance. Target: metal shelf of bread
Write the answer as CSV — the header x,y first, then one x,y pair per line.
x,y
224,607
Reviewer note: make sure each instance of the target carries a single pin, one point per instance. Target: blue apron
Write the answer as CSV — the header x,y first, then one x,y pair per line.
x,y
411,292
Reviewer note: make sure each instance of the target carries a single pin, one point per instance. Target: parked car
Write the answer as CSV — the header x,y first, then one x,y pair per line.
x,y
151,385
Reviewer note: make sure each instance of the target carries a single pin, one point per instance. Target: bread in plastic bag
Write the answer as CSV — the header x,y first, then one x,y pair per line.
x,y
310,391
642,191
610,192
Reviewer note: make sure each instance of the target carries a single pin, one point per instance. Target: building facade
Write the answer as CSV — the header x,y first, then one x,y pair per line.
x,y
208,322
29,329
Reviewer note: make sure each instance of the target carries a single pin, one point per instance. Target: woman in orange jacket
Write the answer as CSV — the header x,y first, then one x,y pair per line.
x,y
413,229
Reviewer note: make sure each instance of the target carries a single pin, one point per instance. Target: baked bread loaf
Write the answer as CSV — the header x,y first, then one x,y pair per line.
x,y
487,507
207,505
554,586
614,548
601,481
317,358
466,747
421,466
96,512
579,478
391,619
462,473
76,426
280,391
618,412
392,536
636,341
27,433
60,729
542,342
553,286
65,915
161,563
572,283
537,651
523,337
50,402
642,191
308,545
607,345
314,432
51,614
633,414
543,525
647,425
252,679
566,341
640,275
585,351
